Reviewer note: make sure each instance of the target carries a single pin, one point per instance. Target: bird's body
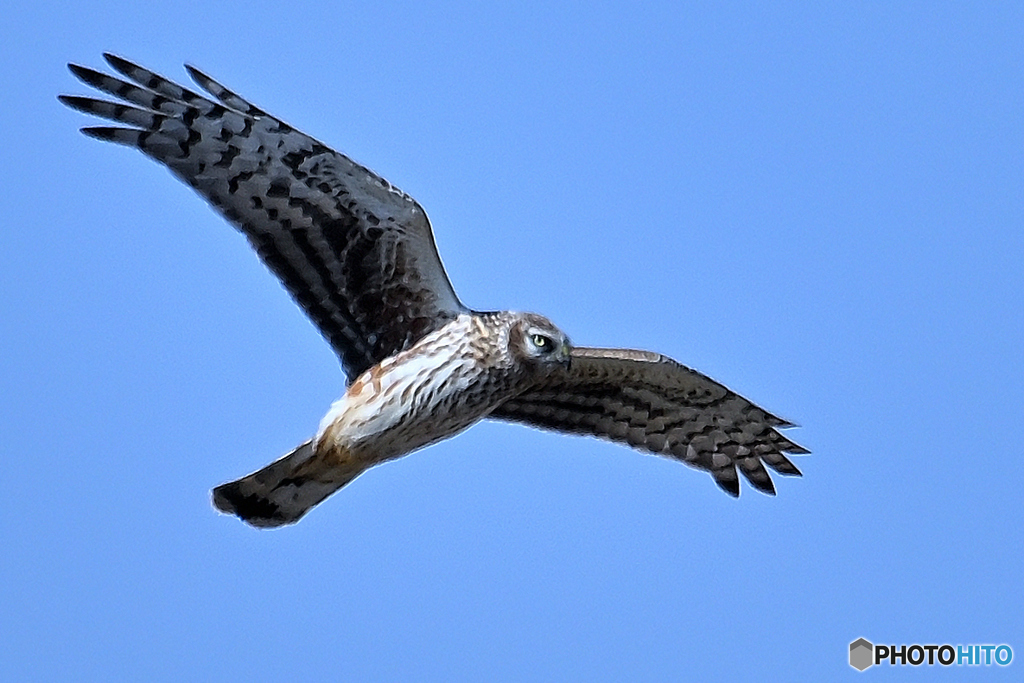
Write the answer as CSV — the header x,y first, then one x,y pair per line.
x,y
443,384
435,389
358,255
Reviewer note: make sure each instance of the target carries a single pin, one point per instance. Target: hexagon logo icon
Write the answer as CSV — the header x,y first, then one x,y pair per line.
x,y
861,654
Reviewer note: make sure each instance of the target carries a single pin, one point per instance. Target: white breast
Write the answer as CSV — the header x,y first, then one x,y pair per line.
x,y
419,396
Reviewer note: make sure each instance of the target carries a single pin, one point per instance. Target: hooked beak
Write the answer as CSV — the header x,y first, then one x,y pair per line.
x,y
565,355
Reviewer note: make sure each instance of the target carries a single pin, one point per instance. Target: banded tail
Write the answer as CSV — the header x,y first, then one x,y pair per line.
x,y
285,490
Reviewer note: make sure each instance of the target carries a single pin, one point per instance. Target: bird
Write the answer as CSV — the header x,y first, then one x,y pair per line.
x,y
358,256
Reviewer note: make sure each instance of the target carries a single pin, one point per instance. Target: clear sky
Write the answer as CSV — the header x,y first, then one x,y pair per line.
x,y
819,204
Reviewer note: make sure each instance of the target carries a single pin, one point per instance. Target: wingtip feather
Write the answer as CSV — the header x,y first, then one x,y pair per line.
x,y
121,136
121,64
757,475
196,75
781,464
727,480
81,72
78,103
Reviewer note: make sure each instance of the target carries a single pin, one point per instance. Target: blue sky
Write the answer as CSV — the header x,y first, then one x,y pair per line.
x,y
819,205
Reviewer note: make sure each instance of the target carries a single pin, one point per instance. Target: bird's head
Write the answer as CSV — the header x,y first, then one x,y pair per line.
x,y
535,341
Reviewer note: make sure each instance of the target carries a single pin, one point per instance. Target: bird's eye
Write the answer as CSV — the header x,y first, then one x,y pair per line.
x,y
543,343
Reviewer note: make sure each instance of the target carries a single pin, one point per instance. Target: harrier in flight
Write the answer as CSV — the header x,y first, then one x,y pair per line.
x,y
358,256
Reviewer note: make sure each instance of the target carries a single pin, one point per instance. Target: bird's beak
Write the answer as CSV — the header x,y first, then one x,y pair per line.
x,y
566,354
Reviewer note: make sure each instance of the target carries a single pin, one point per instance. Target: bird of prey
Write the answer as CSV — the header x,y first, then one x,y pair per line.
x,y
358,255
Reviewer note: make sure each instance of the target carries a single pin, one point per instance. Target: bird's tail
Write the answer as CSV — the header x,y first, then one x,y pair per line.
x,y
285,490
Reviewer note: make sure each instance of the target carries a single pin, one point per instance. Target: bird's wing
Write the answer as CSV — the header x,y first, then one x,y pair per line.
x,y
654,404
356,253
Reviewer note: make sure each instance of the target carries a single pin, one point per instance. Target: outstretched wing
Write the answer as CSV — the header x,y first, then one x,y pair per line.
x,y
655,404
355,252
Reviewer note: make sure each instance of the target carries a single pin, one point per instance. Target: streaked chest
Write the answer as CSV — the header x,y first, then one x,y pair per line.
x,y
444,383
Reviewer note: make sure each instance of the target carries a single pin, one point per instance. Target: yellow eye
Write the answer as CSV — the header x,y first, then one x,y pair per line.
x,y
542,342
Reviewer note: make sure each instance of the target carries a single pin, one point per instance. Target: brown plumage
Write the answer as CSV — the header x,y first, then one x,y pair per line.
x,y
358,256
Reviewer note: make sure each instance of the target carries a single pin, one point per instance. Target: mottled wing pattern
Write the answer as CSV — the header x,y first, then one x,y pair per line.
x,y
655,404
355,252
